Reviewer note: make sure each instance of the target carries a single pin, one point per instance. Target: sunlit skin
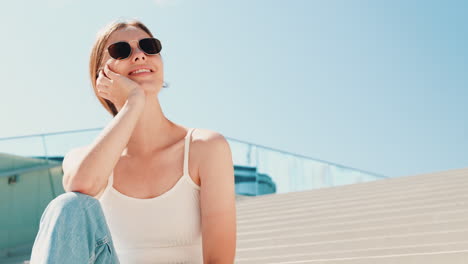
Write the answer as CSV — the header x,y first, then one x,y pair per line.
x,y
210,153
152,121
151,82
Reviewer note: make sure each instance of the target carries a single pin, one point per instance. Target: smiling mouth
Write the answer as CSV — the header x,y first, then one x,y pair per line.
x,y
141,72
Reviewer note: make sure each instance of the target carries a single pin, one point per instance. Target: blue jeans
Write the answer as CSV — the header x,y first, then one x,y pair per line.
x,y
73,230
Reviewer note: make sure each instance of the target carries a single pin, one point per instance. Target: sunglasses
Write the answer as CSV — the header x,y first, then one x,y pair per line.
x,y
122,49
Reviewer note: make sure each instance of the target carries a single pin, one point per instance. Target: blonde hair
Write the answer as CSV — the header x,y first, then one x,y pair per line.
x,y
97,54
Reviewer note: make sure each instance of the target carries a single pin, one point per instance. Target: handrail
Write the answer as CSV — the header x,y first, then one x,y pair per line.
x,y
306,157
228,138
51,133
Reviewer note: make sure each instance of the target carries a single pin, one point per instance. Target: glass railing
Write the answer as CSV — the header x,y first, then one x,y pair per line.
x,y
288,172
292,172
31,174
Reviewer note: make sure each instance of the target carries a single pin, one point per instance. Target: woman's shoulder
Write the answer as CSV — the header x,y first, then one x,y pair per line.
x,y
202,136
206,140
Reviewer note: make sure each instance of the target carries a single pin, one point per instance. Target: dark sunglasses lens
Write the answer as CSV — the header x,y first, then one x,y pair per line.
x,y
150,45
119,50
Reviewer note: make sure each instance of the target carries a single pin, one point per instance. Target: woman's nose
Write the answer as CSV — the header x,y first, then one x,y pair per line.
x,y
138,54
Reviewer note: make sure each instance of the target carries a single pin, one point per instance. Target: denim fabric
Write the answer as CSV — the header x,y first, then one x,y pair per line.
x,y
73,230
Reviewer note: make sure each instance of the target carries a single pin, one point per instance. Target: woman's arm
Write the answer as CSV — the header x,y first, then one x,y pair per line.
x,y
218,201
89,171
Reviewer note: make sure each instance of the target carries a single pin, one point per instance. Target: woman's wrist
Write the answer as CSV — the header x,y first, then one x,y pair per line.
x,y
136,100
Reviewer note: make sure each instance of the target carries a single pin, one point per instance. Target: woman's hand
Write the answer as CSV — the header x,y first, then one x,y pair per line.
x,y
116,87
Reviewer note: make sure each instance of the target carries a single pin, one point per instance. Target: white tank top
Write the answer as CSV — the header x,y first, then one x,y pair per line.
x,y
163,229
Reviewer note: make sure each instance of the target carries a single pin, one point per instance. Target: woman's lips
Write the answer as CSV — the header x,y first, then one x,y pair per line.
x,y
141,74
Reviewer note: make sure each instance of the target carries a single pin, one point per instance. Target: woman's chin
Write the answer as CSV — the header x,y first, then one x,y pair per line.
x,y
151,87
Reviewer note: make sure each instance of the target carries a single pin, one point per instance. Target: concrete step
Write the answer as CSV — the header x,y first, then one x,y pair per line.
x,y
331,232
316,218
410,183
421,219
342,207
363,254
322,243
362,195
405,220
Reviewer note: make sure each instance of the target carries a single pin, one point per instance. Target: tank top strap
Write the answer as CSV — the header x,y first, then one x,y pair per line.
x,y
110,180
186,150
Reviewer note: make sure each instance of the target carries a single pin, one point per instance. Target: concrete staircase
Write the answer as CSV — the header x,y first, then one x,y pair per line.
x,y
411,219
406,220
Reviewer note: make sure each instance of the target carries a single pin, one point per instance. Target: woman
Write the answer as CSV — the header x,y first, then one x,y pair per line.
x,y
125,200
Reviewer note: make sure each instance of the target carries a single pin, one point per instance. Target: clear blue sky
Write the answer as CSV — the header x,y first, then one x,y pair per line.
x,y
377,85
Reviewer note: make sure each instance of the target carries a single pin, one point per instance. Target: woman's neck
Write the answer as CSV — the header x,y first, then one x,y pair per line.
x,y
153,131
